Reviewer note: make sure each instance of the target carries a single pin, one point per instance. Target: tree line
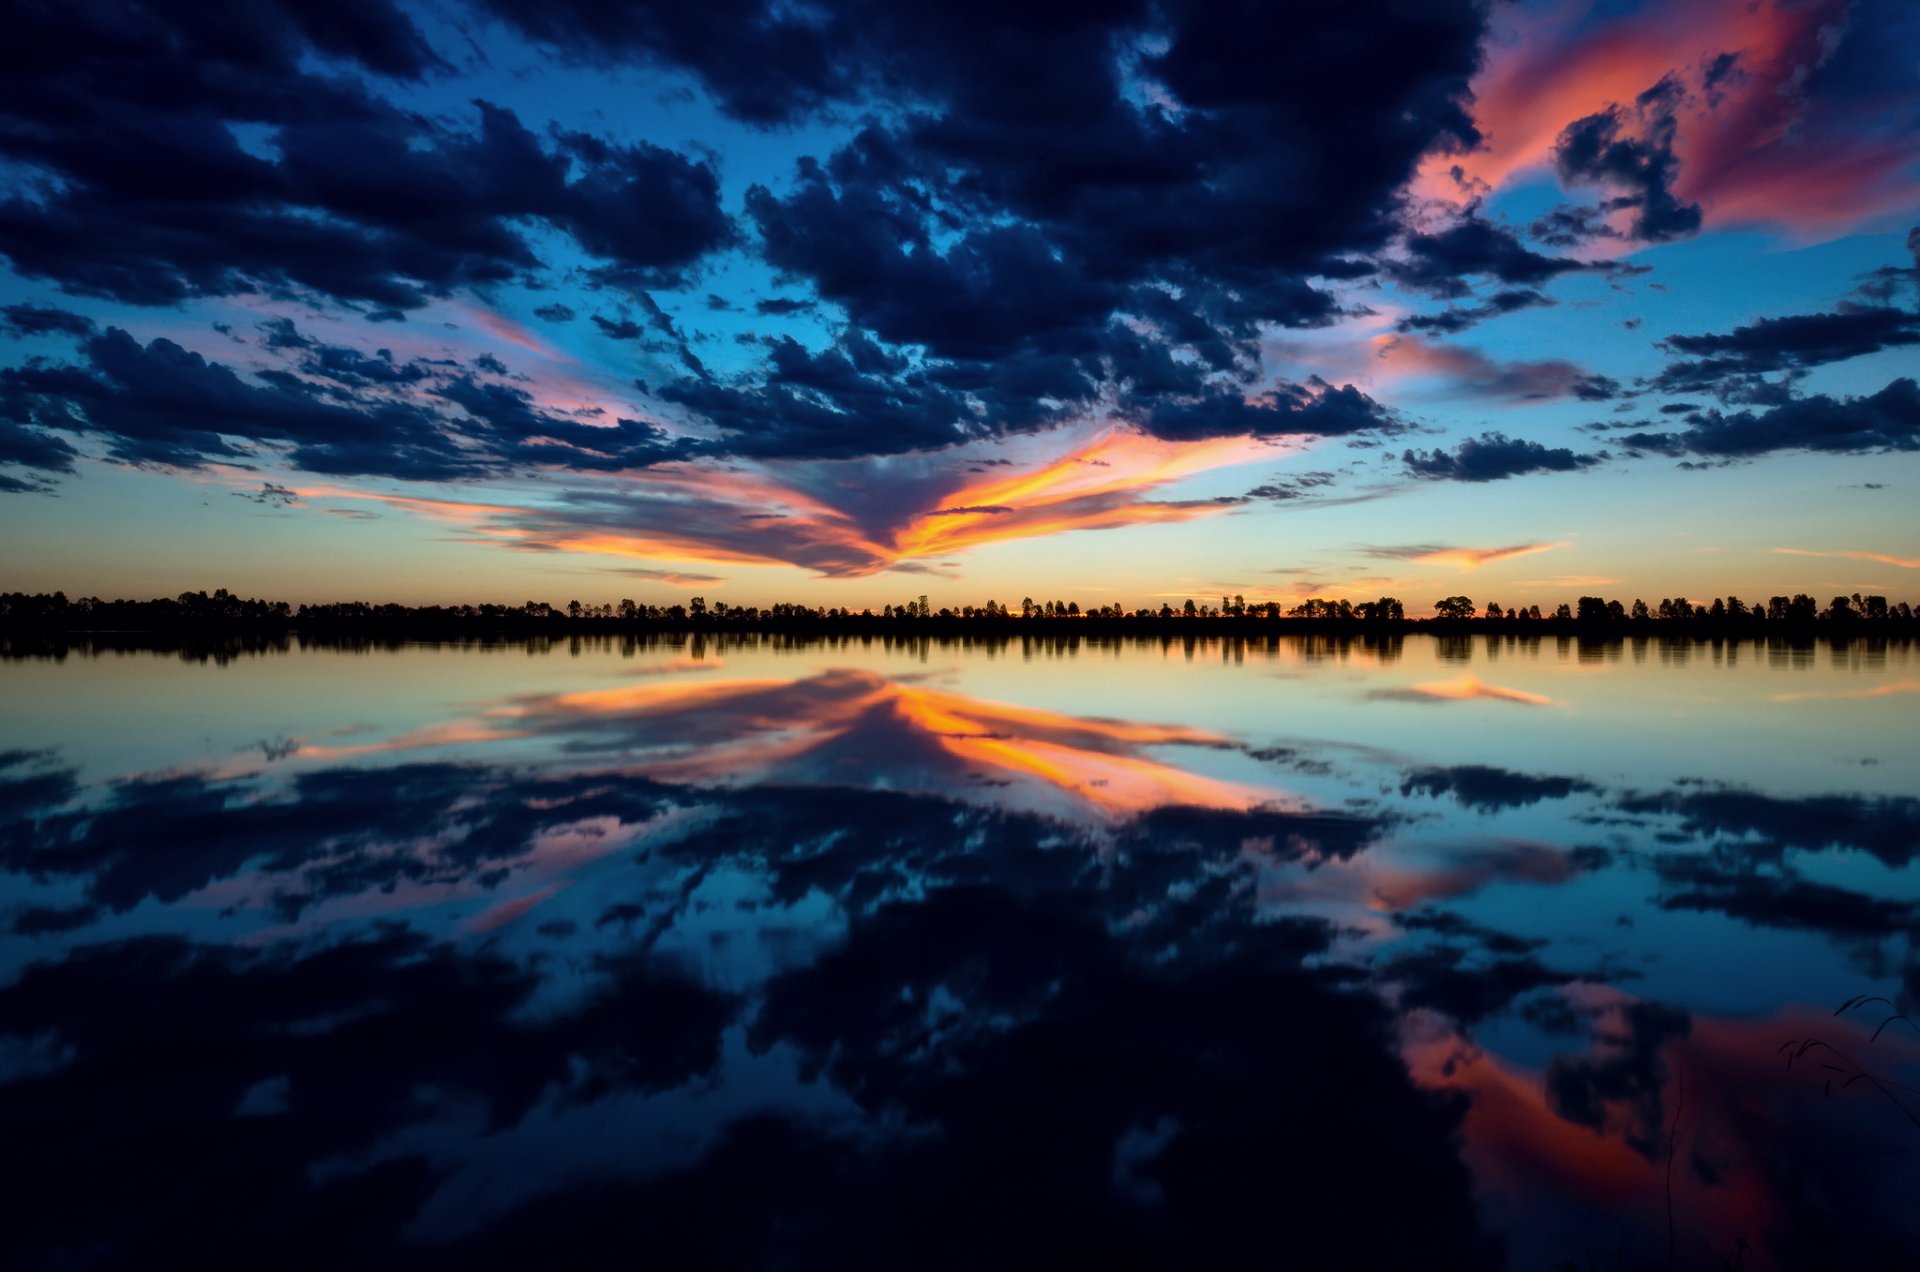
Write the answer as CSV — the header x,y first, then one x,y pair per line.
x,y
225,611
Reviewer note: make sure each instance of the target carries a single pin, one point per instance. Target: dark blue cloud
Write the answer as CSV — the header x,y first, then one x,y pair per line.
x,y
1494,457
1793,343
41,320
1885,421
1441,262
163,404
1630,151
1457,318
136,187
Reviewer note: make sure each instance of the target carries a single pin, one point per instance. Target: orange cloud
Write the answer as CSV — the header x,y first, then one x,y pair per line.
x,y
1905,563
1461,558
848,518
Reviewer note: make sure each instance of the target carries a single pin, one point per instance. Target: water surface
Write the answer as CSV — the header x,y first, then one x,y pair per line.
x,y
1472,952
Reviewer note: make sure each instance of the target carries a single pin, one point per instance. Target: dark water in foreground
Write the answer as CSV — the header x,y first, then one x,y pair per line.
x,y
1446,955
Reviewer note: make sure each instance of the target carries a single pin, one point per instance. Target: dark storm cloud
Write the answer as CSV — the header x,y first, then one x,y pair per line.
x,y
1494,457
1571,225
30,448
40,320
1455,319
1035,197
135,186
1043,213
1885,421
621,328
163,404
1790,344
1441,262
852,398
1315,409
763,63
1630,151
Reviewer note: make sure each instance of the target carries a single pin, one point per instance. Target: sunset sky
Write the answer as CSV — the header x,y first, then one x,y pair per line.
x,y
845,303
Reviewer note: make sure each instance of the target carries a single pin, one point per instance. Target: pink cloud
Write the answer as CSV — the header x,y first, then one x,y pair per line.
x,y
1753,145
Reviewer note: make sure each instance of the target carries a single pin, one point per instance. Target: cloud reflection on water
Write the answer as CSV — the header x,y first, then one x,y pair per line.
x,y
767,968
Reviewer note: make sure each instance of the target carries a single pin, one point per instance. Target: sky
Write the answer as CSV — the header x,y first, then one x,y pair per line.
x,y
850,302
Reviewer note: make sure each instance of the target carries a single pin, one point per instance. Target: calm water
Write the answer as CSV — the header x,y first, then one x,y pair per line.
x,y
1437,955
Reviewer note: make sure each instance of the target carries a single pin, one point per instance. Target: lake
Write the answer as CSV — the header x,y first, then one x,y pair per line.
x,y
1422,952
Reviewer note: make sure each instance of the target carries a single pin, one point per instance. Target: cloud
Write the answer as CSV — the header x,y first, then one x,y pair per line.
x,y
1631,153
676,578
1885,421
1468,373
271,495
1008,260
1460,557
163,404
41,320
1494,457
855,517
1791,344
33,449
1440,262
134,186
1315,409
1455,319
1884,558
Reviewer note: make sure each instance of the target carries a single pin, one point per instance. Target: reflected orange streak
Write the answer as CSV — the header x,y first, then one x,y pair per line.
x,y
771,720
1878,691
1113,783
1060,750
1467,688
675,695
452,733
